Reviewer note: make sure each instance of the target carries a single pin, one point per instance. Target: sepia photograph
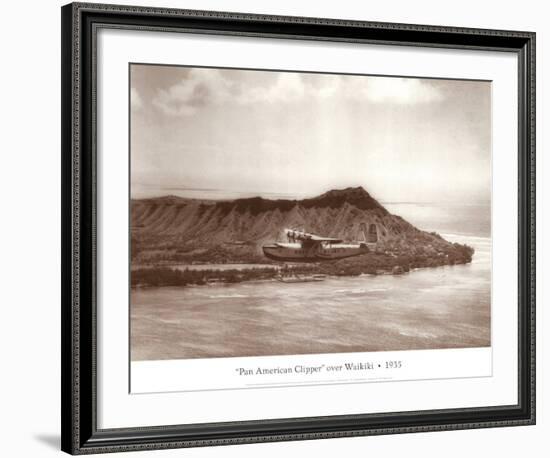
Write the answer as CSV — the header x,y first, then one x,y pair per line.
x,y
292,213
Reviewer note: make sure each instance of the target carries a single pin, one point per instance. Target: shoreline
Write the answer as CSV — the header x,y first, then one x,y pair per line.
x,y
168,276
269,280
397,258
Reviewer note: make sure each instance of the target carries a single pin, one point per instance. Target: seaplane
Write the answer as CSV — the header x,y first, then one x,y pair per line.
x,y
305,247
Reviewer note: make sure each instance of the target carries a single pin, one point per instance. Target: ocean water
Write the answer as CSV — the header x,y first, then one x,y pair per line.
x,y
473,219
443,307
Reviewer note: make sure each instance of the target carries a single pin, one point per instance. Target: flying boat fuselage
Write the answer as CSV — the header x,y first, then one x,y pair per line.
x,y
305,247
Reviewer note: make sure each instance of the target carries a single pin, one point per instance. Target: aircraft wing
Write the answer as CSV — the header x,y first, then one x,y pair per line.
x,y
317,238
305,236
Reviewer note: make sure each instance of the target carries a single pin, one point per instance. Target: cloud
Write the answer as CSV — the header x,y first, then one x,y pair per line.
x,y
201,87
136,102
404,91
211,87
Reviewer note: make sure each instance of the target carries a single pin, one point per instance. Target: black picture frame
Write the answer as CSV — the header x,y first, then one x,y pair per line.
x,y
80,433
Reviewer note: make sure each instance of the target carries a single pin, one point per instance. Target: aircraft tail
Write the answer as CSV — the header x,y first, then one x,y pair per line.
x,y
370,234
363,228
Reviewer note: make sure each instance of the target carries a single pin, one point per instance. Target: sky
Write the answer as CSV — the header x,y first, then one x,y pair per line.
x,y
226,133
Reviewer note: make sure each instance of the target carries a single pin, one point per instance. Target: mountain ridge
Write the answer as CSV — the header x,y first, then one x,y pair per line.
x,y
357,196
174,229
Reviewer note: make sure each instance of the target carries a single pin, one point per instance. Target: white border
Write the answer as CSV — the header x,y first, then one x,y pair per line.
x,y
308,370
117,408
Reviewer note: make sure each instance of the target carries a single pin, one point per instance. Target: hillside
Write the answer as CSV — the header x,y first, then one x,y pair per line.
x,y
168,230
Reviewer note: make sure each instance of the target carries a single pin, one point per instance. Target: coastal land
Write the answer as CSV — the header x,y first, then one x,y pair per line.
x,y
172,236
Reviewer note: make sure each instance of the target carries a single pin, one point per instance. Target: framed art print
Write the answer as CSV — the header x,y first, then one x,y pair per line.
x,y
283,228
